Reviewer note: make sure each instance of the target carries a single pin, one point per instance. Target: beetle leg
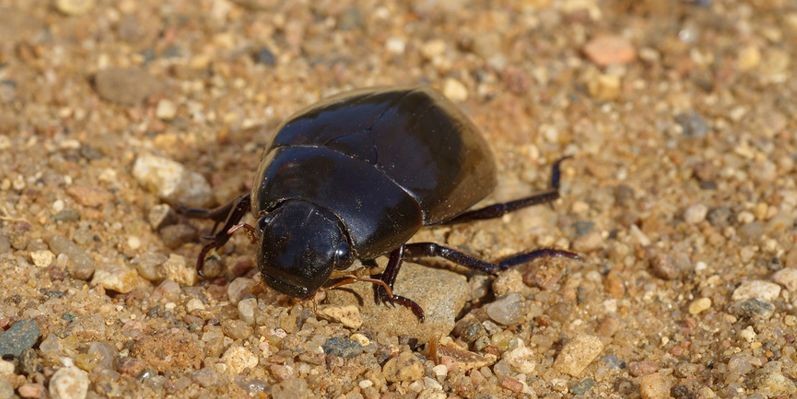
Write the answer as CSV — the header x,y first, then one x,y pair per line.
x,y
497,210
218,215
236,210
383,295
430,249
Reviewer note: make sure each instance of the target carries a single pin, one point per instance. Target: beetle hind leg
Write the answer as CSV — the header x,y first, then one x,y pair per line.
x,y
430,249
500,209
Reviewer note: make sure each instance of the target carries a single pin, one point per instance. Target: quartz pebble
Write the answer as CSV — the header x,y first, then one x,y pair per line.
x,y
455,90
69,383
30,391
654,386
577,354
80,265
699,305
348,315
238,359
695,213
240,288
166,110
247,309
43,258
116,278
74,7
6,368
177,269
786,277
760,289
171,181
404,367
6,390
506,310
520,359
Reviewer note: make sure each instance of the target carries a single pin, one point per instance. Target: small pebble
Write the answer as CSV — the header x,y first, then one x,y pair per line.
x,y
6,390
604,87
20,336
116,278
171,181
654,386
175,235
43,258
206,377
194,305
455,90
577,354
31,390
247,309
787,277
395,45
699,305
692,124
753,308
166,110
80,265
609,50
264,56
695,214
74,7
760,289
240,288
404,367
506,310
238,359
663,266
125,86
92,197
581,387
6,368
520,359
589,242
236,329
161,215
348,315
342,347
177,269
69,383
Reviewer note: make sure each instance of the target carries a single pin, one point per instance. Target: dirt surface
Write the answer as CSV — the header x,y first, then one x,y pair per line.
x,y
681,197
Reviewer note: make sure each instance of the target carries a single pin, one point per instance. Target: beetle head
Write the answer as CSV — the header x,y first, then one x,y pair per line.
x,y
300,245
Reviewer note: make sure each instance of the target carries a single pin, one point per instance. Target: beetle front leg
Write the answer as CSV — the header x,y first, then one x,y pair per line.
x,y
230,214
389,277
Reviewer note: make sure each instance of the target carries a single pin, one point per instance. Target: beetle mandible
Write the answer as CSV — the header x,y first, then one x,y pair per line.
x,y
355,177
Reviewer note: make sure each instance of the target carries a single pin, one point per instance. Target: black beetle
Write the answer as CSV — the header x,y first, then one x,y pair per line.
x,y
355,177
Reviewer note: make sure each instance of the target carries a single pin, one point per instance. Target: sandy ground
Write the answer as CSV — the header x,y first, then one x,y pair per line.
x,y
681,197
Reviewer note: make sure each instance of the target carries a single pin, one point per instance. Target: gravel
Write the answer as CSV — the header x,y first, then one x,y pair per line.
x,y
680,197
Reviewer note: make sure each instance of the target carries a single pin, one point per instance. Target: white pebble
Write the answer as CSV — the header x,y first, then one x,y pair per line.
x,y
43,258
194,305
695,213
787,278
759,289
246,310
395,45
166,110
455,90
69,383
238,359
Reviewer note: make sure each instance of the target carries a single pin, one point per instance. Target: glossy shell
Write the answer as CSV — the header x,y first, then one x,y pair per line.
x,y
386,162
